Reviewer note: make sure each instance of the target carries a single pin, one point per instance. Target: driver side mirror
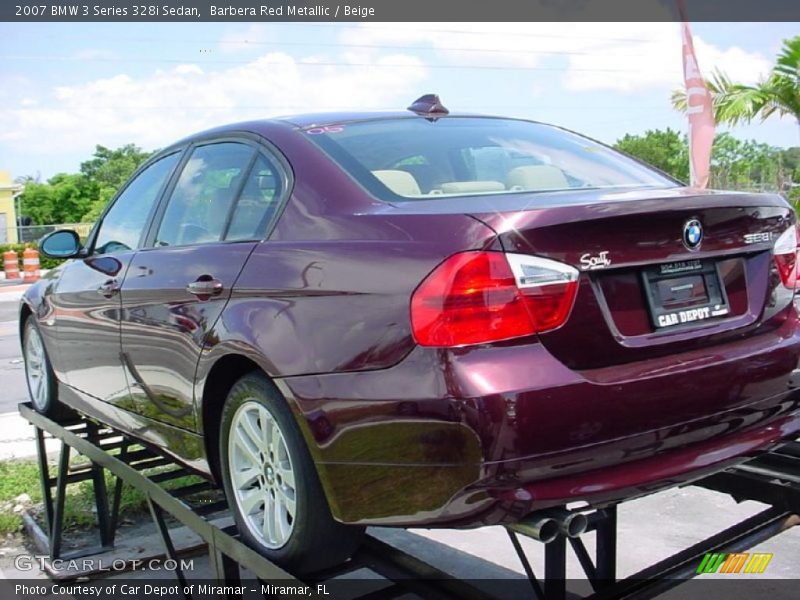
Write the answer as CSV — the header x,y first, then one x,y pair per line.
x,y
61,244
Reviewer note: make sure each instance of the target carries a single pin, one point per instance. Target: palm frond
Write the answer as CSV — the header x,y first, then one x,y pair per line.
x,y
788,63
735,103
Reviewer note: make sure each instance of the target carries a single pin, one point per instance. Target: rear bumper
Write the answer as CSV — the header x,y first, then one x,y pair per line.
x,y
641,477
484,435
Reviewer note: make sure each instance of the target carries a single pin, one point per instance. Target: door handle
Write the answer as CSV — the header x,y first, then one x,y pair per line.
x,y
205,287
109,288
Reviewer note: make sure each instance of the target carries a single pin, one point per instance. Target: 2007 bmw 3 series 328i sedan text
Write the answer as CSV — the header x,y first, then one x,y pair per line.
x,y
420,319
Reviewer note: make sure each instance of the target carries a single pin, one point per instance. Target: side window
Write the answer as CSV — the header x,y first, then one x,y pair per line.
x,y
198,208
257,204
125,221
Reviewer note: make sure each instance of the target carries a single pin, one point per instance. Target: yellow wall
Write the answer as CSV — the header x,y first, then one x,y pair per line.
x,y
8,190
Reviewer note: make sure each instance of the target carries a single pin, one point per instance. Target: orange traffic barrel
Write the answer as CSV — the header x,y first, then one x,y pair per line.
x,y
11,264
30,265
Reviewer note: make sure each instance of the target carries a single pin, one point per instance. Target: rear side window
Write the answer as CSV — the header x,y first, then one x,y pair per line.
x,y
124,222
209,184
418,158
258,203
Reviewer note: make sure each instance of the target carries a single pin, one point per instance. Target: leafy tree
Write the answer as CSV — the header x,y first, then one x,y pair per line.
x,y
81,197
111,168
778,93
745,164
735,163
64,198
108,170
665,150
791,162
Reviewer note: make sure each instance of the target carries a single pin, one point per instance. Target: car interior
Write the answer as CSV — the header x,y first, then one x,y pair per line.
x,y
402,181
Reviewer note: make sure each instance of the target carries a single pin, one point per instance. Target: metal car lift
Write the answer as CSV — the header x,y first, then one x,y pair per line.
x,y
773,479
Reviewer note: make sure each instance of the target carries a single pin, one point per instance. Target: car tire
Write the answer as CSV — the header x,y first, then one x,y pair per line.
x,y
272,485
42,385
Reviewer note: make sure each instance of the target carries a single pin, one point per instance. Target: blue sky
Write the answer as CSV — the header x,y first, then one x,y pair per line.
x,y
66,87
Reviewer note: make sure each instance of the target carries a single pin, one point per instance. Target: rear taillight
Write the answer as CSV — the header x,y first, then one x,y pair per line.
x,y
479,297
785,253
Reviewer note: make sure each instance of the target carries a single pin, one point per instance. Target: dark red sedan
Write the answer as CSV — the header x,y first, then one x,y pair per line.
x,y
421,319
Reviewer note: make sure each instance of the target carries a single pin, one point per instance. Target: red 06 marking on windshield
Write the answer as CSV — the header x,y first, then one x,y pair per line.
x,y
326,129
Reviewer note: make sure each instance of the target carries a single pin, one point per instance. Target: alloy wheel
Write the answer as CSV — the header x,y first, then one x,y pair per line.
x,y
36,369
262,474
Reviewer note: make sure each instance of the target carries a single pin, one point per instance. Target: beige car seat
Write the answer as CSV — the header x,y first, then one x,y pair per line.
x,y
400,182
471,187
537,177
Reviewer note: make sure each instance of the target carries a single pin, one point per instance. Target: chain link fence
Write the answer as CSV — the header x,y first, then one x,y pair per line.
x,y
33,233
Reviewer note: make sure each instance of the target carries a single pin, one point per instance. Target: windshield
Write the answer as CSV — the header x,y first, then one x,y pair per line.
x,y
458,156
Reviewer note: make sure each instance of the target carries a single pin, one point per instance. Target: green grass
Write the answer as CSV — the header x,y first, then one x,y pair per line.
x,y
22,477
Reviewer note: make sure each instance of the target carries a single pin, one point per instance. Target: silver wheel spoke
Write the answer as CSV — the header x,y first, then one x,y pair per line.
x,y
281,525
244,478
269,522
246,451
275,439
250,429
264,421
251,500
287,500
287,475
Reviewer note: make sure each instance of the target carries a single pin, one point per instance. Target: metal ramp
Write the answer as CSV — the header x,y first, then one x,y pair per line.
x,y
773,479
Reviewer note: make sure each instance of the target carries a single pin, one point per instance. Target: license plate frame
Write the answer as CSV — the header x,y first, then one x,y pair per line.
x,y
715,304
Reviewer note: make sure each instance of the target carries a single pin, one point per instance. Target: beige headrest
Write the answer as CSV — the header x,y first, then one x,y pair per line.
x,y
538,177
471,187
400,182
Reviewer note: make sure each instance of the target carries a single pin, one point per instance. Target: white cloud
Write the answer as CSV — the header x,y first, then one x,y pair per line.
x,y
95,54
156,108
244,39
623,57
165,105
655,62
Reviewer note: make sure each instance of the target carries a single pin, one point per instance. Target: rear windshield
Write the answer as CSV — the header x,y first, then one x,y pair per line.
x,y
415,158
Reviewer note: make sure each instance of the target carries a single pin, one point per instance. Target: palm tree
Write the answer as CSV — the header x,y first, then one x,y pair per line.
x,y
778,94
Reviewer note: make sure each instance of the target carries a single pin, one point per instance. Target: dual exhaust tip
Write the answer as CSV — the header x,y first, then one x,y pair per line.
x,y
547,525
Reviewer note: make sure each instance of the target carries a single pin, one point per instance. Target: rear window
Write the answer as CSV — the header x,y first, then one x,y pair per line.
x,y
415,158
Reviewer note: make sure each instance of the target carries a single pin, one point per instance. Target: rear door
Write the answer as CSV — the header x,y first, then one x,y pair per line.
x,y
220,207
86,301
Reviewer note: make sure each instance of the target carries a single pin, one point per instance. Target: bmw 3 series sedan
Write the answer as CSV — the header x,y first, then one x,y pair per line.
x,y
420,318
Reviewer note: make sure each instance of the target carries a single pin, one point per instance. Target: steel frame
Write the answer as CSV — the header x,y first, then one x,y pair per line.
x,y
773,478
111,451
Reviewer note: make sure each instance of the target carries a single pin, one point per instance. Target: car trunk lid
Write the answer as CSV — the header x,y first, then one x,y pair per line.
x,y
644,291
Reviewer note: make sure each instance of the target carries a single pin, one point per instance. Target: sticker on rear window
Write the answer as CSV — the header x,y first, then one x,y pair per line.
x,y
326,129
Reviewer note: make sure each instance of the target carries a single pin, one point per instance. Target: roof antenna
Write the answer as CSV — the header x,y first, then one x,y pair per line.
x,y
429,106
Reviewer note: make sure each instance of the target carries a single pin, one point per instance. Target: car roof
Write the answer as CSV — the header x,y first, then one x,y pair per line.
x,y
305,120
327,118
330,118
264,127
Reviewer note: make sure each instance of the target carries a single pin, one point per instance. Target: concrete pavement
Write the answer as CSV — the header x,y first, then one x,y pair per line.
x,y
16,434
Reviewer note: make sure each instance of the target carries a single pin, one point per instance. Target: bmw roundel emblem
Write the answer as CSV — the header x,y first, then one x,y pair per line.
x,y
692,234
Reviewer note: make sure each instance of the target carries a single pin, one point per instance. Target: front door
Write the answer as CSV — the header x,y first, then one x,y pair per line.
x,y
177,287
86,300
